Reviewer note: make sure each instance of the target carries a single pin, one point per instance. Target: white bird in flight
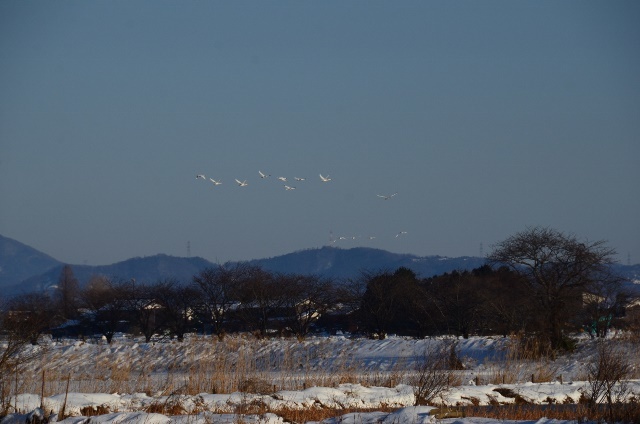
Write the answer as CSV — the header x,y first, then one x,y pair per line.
x,y
286,187
386,197
283,179
201,177
325,179
299,179
401,233
215,182
242,183
262,175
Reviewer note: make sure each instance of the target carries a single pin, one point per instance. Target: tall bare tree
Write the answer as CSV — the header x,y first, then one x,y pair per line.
x,y
106,304
68,293
558,269
178,304
218,288
307,297
262,297
146,311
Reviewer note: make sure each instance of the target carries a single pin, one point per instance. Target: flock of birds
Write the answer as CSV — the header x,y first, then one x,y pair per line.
x,y
334,240
324,179
263,176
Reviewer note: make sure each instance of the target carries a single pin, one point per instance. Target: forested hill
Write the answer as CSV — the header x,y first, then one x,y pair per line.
x,y
348,263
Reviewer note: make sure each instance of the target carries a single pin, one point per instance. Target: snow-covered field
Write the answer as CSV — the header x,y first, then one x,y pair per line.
x,y
200,380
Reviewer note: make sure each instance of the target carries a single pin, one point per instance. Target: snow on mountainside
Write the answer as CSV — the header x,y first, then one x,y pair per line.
x,y
348,263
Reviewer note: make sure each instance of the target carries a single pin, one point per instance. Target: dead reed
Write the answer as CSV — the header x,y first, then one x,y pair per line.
x,y
624,413
522,359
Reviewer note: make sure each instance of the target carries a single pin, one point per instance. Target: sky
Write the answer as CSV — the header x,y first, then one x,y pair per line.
x,y
486,118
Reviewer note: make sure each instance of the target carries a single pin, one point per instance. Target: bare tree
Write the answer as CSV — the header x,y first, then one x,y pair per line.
x,y
219,292
307,298
558,269
262,296
106,304
344,313
178,302
18,329
68,293
607,372
31,314
144,308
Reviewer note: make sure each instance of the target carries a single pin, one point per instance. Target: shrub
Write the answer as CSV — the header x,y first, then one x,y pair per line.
x,y
434,373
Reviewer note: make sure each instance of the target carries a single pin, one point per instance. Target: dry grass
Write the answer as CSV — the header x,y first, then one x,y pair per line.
x,y
624,413
211,365
320,414
242,363
522,360
198,366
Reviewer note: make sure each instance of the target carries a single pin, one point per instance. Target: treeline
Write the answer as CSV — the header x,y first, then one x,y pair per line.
x,y
247,298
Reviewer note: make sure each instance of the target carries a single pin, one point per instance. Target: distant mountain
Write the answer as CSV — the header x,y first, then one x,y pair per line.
x,y
349,263
632,274
24,269
19,261
149,269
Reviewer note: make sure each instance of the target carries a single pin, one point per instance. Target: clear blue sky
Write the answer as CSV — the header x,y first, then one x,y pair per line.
x,y
485,117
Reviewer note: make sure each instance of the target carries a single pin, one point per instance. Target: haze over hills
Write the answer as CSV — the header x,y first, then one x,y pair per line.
x,y
149,269
24,269
19,262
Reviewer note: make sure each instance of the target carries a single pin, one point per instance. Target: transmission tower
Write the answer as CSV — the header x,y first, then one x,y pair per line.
x,y
188,249
481,250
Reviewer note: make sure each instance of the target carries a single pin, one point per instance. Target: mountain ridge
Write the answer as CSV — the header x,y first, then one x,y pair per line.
x,y
19,261
24,269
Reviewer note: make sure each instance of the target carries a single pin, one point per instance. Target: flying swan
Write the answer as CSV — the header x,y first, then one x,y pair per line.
x,y
386,197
